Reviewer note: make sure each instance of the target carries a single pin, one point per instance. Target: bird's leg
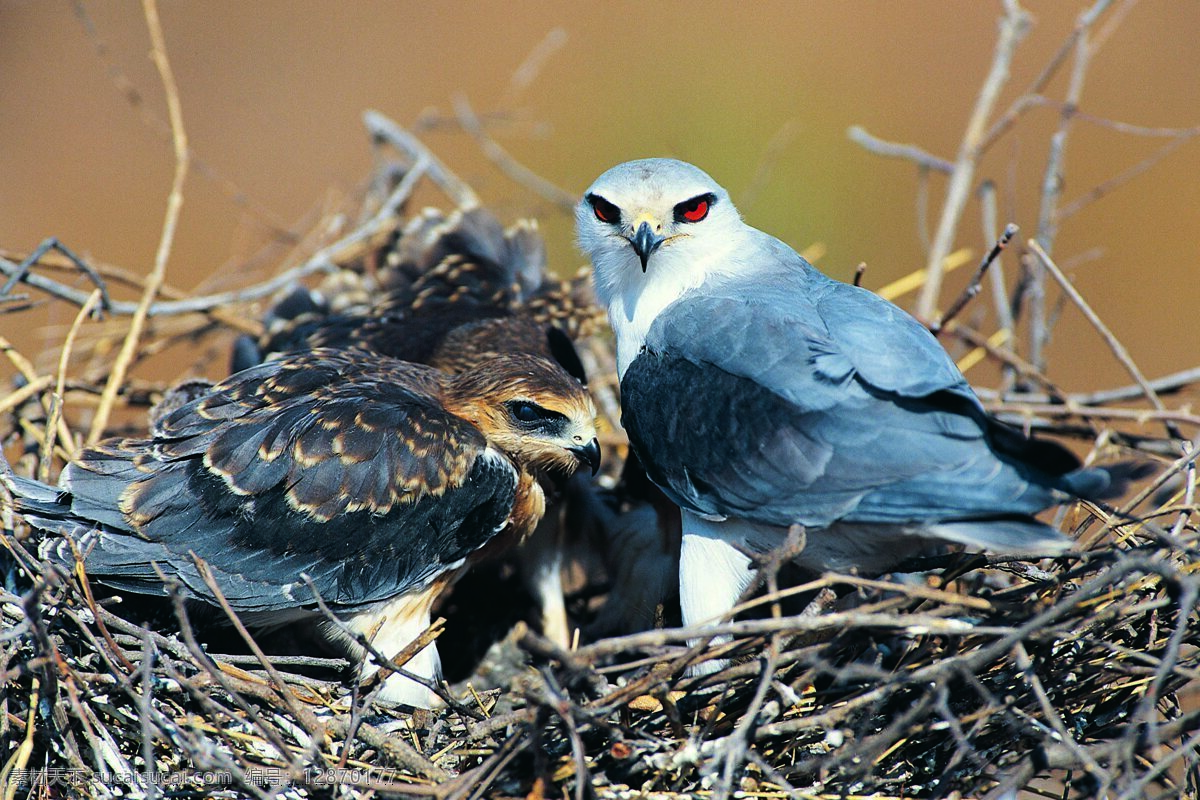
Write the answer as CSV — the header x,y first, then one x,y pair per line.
x,y
390,627
713,573
541,558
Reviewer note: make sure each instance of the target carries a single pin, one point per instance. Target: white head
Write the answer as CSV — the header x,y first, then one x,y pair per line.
x,y
653,229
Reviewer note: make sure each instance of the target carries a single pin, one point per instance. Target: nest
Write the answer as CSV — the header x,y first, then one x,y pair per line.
x,y
964,675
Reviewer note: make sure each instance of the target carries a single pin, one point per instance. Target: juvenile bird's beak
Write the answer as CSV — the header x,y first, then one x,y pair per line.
x,y
645,241
589,454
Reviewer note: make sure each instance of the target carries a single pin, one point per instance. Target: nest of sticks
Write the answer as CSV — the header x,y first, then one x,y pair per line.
x,y
964,676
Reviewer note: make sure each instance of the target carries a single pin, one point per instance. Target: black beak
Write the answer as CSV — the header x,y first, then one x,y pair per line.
x,y
645,241
589,454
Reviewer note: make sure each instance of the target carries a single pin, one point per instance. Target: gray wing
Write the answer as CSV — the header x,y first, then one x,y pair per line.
x,y
803,400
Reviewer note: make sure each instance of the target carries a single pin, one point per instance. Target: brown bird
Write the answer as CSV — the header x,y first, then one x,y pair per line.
x,y
454,290
373,481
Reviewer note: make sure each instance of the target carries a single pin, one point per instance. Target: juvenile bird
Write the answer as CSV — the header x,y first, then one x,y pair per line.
x,y
451,291
761,394
377,480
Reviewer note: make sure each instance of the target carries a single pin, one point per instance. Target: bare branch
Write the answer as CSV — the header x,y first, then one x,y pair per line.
x,y
518,172
907,152
1117,348
1013,26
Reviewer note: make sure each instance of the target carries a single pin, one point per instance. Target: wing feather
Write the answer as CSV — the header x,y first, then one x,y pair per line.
x,y
360,480
805,400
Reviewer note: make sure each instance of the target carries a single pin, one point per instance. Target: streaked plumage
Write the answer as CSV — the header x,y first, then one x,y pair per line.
x,y
760,394
454,289
378,479
451,291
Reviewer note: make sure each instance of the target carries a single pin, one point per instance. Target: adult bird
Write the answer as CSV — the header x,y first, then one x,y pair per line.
x,y
371,481
761,394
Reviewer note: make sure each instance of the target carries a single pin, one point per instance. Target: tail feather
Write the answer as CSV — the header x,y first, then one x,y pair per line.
x,y
1108,482
1016,535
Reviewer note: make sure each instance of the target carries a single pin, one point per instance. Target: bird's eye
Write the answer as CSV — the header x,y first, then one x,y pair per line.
x,y
695,209
525,412
531,416
604,210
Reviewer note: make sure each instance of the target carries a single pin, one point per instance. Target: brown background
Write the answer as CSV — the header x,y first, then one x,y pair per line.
x,y
272,95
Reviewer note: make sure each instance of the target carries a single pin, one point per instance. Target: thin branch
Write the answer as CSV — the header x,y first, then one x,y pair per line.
x,y
504,161
1053,181
529,69
1096,192
1013,26
384,130
906,152
1174,382
60,388
976,283
766,165
170,222
1113,343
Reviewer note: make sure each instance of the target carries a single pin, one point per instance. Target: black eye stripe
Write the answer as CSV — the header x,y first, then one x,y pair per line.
x,y
604,210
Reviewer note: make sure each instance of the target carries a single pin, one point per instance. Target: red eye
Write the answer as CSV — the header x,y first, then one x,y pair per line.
x,y
604,210
695,209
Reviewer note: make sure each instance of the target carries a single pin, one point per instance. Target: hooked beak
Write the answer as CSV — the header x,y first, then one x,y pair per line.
x,y
645,241
588,454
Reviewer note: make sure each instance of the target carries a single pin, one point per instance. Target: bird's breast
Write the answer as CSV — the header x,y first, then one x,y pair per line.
x,y
529,506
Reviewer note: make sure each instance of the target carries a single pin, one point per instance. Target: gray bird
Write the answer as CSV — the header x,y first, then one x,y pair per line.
x,y
761,394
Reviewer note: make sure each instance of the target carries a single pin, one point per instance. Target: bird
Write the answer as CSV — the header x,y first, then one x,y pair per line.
x,y
367,481
761,394
635,530
452,290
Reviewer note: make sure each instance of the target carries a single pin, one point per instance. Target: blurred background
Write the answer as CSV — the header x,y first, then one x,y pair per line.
x,y
760,95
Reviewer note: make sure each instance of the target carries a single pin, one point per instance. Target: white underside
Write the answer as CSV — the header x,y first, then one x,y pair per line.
x,y
714,571
541,560
713,574
391,626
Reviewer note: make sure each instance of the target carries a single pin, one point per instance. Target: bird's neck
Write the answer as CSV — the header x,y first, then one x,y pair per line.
x,y
635,298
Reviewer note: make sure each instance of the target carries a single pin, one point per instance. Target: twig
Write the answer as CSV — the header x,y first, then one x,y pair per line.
x,y
206,304
908,152
1050,713
383,129
529,69
170,222
388,665
518,172
1006,357
1013,26
18,272
281,687
738,743
1166,416
1052,183
973,287
129,91
561,705
766,164
1096,192
60,388
145,707
1113,343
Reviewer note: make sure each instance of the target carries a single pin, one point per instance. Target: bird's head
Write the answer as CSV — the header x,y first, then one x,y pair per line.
x,y
654,221
530,408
